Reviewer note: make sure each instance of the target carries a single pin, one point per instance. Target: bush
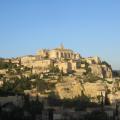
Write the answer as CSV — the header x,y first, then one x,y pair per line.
x,y
105,63
91,78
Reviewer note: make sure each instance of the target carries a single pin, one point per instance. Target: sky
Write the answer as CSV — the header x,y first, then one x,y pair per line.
x,y
90,27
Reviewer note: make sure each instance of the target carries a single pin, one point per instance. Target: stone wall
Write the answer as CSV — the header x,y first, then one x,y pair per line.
x,y
16,100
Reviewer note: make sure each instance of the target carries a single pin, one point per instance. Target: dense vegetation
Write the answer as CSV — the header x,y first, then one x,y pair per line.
x,y
15,86
7,65
105,63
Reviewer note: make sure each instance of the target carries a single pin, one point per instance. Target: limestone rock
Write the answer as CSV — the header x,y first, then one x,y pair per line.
x,y
69,89
101,71
96,70
107,72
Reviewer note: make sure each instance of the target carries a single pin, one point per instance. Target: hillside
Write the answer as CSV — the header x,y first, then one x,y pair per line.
x,y
61,71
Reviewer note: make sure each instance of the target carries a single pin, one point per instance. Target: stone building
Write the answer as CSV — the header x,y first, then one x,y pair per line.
x,y
43,53
59,53
28,60
41,66
75,64
66,60
68,66
93,60
64,66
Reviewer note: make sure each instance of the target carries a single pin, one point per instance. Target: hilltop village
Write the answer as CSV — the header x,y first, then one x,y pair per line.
x,y
58,78
67,61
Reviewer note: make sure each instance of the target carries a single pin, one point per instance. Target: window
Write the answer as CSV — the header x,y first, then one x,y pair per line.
x,y
61,54
57,54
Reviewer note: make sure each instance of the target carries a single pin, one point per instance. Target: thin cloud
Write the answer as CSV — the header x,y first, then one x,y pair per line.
x,y
7,52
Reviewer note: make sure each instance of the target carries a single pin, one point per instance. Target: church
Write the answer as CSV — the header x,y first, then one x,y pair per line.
x,y
59,53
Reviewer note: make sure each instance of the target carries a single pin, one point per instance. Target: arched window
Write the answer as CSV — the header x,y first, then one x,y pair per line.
x,y
68,55
61,54
57,54
65,54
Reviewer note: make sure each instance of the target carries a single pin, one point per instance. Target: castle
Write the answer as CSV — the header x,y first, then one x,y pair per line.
x,y
65,59
58,53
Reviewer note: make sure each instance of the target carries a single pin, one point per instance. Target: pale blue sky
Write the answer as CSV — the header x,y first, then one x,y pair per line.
x,y
91,27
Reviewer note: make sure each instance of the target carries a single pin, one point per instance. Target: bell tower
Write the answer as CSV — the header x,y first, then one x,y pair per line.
x,y
61,46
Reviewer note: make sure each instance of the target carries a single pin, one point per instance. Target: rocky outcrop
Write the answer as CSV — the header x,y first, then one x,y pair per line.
x,y
101,71
99,68
107,71
68,89
96,70
74,88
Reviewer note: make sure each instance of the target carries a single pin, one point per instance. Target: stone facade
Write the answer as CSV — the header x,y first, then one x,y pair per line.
x,y
93,60
28,60
64,66
66,60
75,64
68,66
43,53
41,66
59,53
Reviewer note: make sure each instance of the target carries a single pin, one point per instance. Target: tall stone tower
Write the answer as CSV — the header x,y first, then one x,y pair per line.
x,y
61,46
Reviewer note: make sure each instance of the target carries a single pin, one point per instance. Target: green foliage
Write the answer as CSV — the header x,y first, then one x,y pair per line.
x,y
1,76
87,68
7,87
41,85
7,65
109,82
16,86
22,85
107,101
34,76
105,63
91,78
54,69
66,60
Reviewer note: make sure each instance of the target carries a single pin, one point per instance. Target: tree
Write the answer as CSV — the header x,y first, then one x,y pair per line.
x,y
107,101
105,63
41,85
54,99
54,69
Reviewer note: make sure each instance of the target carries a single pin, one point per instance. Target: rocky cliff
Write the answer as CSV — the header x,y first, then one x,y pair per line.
x,y
101,71
99,68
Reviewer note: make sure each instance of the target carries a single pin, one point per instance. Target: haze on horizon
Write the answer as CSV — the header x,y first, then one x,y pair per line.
x,y
90,27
